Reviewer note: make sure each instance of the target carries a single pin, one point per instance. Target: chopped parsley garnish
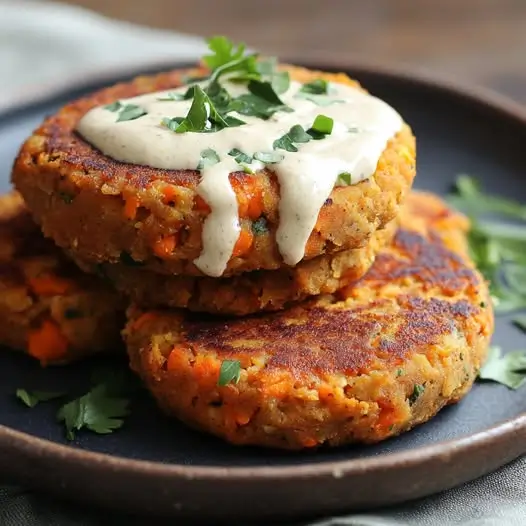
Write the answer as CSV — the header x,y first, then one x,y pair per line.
x,y
223,51
399,372
114,106
418,390
98,410
295,135
322,125
239,156
316,87
130,112
172,96
509,370
229,373
33,398
260,226
66,197
345,178
268,157
497,241
520,322
209,157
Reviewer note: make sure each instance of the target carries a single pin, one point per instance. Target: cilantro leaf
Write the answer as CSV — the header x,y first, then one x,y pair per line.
x,y
229,373
223,51
344,178
508,370
209,157
98,411
268,157
316,87
265,91
130,112
295,135
239,156
114,106
33,398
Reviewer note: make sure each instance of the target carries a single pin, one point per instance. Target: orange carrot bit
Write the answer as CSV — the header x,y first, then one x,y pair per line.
x,y
169,194
176,360
50,285
131,204
201,205
255,200
47,343
164,246
243,243
309,442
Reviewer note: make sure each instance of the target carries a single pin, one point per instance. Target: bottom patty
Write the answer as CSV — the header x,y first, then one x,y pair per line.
x,y
263,290
378,358
49,308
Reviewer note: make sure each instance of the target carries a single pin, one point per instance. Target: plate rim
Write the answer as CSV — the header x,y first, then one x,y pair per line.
x,y
35,447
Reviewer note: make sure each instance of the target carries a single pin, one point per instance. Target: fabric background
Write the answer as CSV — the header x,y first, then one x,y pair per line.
x,y
51,44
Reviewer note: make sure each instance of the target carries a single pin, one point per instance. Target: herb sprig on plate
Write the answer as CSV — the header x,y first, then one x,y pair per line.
x,y
497,244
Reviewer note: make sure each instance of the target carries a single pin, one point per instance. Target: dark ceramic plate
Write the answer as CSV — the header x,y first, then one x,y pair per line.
x,y
155,465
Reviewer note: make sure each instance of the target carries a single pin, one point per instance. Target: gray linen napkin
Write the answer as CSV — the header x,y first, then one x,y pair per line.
x,y
50,44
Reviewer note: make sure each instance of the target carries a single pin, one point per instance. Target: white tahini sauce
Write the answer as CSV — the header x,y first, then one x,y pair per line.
x,y
362,126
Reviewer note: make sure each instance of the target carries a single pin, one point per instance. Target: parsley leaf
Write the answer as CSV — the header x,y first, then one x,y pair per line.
x,y
114,106
520,322
130,112
229,373
33,398
508,370
345,178
239,156
295,135
98,411
316,87
223,51
268,157
209,157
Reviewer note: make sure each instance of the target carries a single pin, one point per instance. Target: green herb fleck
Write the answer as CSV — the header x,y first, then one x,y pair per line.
x,y
130,112
223,52
482,304
520,322
345,178
72,314
508,370
417,392
316,87
461,356
239,156
295,135
399,372
260,226
98,411
33,398
209,157
268,157
114,106
322,125
173,96
229,373
66,197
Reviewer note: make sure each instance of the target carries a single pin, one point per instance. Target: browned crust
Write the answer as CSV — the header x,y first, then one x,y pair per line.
x,y
89,314
250,292
55,161
332,370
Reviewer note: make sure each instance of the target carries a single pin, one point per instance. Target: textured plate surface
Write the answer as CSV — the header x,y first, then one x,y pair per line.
x,y
181,471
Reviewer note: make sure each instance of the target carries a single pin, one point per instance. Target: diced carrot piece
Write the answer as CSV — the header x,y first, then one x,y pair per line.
x,y
249,197
243,243
47,343
170,194
176,360
309,441
131,205
201,204
50,285
164,246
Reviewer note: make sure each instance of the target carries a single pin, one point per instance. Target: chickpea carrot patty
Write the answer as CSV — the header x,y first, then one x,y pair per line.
x,y
50,309
370,362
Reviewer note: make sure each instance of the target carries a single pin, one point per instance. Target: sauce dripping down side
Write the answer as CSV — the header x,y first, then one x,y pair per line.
x,y
362,127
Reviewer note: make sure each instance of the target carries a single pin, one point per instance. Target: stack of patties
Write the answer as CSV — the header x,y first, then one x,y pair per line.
x,y
240,213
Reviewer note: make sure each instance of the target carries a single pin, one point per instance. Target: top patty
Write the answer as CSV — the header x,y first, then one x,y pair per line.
x,y
104,210
372,361
48,307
